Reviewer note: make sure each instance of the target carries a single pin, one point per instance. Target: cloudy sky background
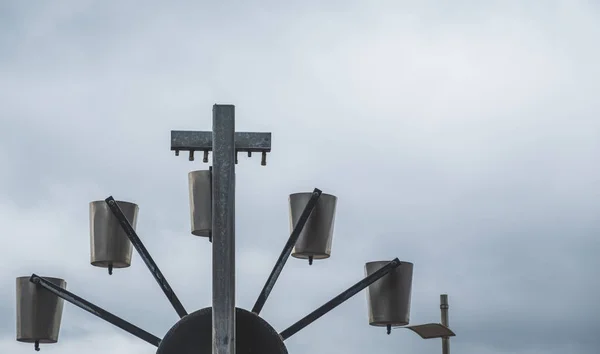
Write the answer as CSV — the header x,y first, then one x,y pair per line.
x,y
462,137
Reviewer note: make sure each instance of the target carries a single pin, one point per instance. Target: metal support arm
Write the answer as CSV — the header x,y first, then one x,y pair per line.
x,y
141,249
338,300
287,250
95,310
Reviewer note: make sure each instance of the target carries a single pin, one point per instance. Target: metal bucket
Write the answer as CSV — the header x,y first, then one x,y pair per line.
x,y
200,185
389,297
316,237
39,312
109,245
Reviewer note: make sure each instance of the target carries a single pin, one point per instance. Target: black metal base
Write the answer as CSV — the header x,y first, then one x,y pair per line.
x,y
193,335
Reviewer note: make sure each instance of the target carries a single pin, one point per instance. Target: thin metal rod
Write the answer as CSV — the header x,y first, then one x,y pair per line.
x,y
338,300
145,255
95,310
287,250
444,310
223,229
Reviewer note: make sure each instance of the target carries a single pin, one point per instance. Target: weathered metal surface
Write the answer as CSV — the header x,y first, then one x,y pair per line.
x,y
109,245
287,250
200,187
39,312
57,291
193,335
223,230
316,238
389,298
184,140
130,233
341,298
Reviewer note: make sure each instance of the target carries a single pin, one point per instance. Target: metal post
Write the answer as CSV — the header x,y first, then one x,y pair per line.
x,y
444,309
223,229
224,143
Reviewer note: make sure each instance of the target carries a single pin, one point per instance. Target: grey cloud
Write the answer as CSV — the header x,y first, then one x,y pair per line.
x,y
460,137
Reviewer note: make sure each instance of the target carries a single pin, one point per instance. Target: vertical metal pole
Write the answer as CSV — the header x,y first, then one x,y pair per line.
x,y
223,229
444,309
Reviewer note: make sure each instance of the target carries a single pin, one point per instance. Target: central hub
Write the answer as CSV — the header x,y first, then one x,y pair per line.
x,y
193,335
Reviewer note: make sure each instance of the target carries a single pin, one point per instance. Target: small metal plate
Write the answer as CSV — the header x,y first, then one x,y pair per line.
x,y
431,330
193,335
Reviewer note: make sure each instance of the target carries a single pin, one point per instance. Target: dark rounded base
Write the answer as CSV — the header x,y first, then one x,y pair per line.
x,y
314,255
193,335
41,341
115,264
201,232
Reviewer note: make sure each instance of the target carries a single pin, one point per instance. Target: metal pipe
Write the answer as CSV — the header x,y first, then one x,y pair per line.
x,y
95,310
444,310
145,255
223,229
338,300
287,250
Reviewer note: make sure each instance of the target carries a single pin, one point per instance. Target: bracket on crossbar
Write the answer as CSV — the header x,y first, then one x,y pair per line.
x,y
192,141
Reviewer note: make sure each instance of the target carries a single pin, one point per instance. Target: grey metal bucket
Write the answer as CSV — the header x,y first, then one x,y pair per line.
x,y
389,297
109,245
317,236
200,185
39,312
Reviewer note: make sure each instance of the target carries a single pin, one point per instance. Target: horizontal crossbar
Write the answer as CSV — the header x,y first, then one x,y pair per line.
x,y
186,140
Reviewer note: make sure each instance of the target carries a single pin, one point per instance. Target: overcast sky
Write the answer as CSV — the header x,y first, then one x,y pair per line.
x,y
462,136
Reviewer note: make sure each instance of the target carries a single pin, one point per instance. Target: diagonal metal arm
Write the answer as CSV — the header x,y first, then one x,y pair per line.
x,y
287,250
338,300
141,249
95,310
